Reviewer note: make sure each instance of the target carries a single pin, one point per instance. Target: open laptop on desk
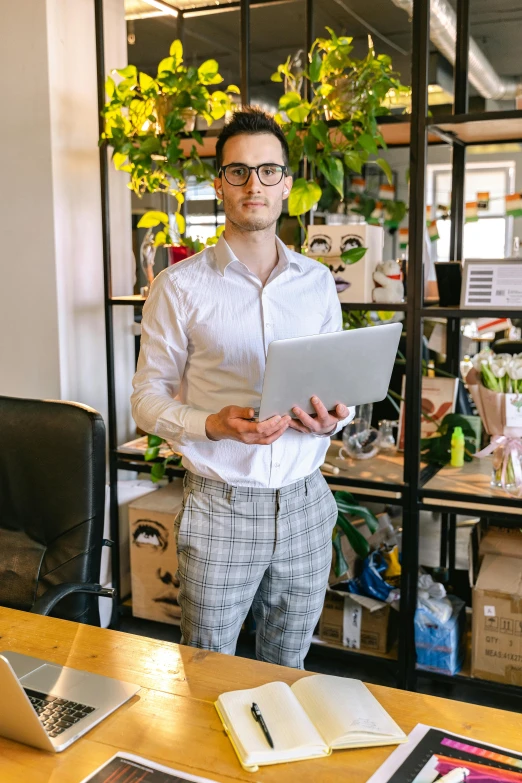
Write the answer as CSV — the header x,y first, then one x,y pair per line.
x,y
50,706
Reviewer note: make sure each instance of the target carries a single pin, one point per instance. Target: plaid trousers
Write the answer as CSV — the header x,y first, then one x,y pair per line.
x,y
242,547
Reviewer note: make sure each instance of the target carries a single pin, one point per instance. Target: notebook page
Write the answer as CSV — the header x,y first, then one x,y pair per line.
x,y
344,709
287,722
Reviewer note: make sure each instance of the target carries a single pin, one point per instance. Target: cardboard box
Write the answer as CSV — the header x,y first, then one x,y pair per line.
x,y
354,281
485,540
497,620
356,622
153,555
503,541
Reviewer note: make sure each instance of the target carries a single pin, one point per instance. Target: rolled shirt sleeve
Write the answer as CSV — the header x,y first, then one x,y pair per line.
x,y
161,364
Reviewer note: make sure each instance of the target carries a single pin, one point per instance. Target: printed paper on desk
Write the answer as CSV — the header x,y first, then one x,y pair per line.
x,y
430,753
126,767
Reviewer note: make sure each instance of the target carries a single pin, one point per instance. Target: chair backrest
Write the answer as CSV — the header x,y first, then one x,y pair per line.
x,y
52,498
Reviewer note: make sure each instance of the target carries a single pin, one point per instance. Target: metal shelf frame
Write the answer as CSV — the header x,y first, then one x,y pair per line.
x,y
459,129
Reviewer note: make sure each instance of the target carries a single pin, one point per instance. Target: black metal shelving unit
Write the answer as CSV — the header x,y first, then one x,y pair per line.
x,y
413,494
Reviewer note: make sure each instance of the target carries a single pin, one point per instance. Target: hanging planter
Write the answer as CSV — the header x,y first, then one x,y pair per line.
x,y
350,91
344,100
146,119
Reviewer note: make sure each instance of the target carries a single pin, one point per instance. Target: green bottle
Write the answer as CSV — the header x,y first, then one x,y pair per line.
x,y
457,448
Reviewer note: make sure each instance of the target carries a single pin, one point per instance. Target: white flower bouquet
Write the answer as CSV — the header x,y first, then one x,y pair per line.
x,y
495,383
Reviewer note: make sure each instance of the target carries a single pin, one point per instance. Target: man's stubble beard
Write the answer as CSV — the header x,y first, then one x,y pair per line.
x,y
259,224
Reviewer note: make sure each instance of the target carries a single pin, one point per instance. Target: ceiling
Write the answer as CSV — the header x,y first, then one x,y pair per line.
x,y
279,29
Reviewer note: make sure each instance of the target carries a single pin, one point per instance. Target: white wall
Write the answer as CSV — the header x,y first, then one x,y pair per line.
x,y
52,340
29,349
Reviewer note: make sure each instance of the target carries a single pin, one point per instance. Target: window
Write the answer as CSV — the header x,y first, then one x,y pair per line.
x,y
490,235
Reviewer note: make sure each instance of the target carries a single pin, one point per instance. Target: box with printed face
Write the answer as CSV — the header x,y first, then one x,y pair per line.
x,y
354,282
153,555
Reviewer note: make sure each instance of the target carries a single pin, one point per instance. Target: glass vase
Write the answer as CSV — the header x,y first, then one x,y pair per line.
x,y
499,455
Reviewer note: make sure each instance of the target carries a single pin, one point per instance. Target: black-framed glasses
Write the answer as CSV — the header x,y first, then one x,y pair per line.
x,y
239,173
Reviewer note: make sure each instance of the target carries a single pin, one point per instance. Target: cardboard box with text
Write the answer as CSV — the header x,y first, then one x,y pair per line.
x,y
356,622
497,620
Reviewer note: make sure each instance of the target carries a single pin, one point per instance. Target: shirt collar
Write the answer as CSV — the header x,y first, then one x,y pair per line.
x,y
224,255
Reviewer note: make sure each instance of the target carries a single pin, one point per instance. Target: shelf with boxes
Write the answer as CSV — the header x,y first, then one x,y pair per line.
x,y
361,654
491,638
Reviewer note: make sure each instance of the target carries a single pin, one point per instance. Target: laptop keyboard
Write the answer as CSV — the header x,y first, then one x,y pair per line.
x,y
56,714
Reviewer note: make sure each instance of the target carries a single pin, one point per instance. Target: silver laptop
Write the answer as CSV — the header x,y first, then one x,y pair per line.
x,y
350,367
50,706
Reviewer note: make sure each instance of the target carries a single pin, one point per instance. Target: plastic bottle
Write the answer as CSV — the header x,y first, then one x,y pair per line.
x,y
465,366
457,448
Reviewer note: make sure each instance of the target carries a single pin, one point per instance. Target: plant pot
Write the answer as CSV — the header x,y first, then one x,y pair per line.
x,y
164,106
178,253
189,116
343,100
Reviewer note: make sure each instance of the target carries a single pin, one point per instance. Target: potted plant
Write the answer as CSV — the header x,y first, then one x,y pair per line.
x,y
337,128
178,247
152,453
146,119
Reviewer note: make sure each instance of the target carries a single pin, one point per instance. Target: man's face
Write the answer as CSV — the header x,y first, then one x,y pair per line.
x,y
254,206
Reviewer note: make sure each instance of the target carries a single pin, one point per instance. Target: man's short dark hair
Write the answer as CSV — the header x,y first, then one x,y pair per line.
x,y
251,120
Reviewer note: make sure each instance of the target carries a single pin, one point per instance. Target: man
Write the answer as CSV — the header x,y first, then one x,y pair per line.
x,y
255,528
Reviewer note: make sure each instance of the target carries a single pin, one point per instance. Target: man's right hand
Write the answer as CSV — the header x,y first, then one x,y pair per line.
x,y
234,423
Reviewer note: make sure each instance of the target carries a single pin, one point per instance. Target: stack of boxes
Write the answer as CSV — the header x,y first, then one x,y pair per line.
x,y
497,605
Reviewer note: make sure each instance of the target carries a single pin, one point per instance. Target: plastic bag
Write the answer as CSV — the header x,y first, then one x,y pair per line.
x,y
371,581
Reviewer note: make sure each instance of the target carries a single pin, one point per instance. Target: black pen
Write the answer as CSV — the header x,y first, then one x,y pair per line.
x,y
256,712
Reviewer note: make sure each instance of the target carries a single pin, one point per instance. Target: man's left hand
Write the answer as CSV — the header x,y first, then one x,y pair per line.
x,y
322,422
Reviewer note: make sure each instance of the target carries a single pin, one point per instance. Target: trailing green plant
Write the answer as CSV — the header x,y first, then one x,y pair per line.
x,y
146,119
164,237
346,92
158,469
348,507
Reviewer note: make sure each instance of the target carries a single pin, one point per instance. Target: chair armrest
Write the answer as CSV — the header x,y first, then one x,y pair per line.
x,y
50,598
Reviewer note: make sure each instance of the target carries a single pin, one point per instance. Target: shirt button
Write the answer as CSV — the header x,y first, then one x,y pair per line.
x,y
277,465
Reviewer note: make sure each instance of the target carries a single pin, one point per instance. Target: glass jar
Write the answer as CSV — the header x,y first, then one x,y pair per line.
x,y
513,467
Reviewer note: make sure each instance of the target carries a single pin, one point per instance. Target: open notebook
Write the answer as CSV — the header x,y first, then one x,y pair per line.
x,y
316,715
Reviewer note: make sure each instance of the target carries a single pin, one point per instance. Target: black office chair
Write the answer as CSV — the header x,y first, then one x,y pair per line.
x,y
505,345
52,499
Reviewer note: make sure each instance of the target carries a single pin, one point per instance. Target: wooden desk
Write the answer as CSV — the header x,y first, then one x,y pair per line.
x,y
172,719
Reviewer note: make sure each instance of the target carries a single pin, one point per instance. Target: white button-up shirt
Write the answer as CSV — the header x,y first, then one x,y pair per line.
x,y
206,328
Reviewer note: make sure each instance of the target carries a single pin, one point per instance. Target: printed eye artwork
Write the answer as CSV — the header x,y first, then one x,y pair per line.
x,y
350,241
320,244
149,533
